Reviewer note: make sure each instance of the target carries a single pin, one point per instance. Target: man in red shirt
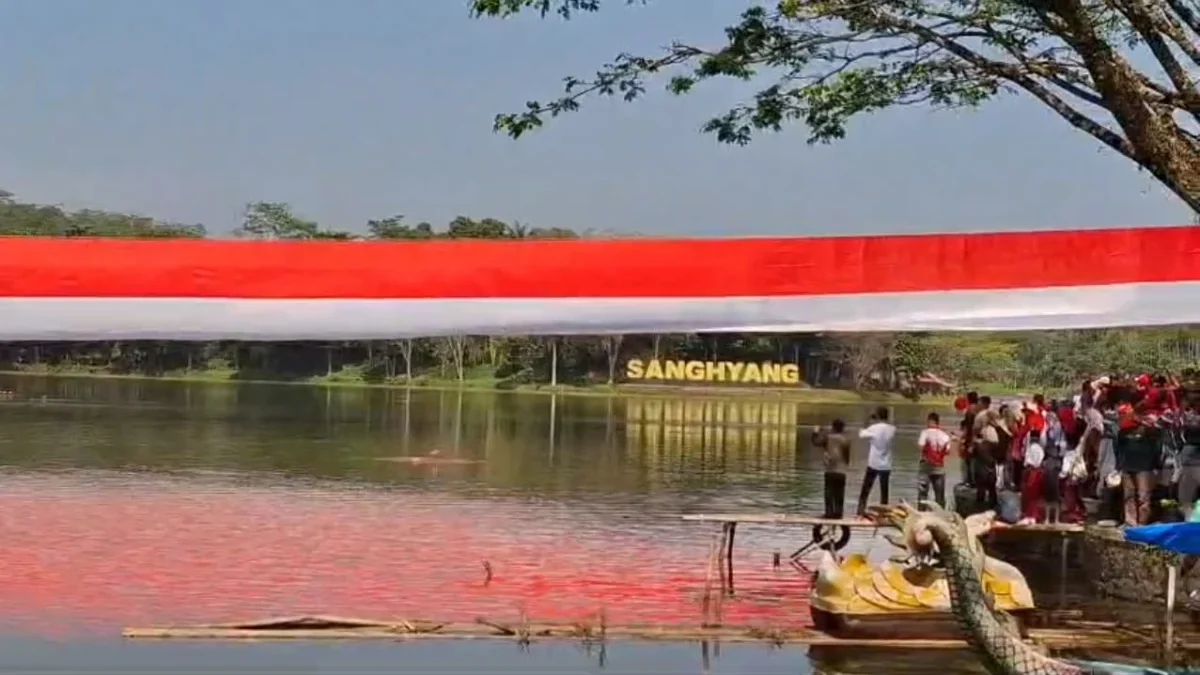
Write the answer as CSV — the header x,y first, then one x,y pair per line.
x,y
931,471
1148,400
1158,395
1066,415
1035,415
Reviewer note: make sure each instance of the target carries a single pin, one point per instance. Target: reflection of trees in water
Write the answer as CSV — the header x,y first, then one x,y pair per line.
x,y
749,448
578,450
713,436
528,442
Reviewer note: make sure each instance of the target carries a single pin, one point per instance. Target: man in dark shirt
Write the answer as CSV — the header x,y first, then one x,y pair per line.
x,y
835,449
1138,448
968,439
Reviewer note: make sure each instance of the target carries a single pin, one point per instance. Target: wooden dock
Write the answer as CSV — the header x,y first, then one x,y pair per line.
x,y
791,519
779,519
834,534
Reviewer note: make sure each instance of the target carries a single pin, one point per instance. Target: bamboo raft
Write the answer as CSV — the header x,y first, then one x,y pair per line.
x,y
1066,635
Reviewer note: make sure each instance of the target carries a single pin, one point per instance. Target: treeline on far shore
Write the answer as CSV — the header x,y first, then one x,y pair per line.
x,y
887,362
880,362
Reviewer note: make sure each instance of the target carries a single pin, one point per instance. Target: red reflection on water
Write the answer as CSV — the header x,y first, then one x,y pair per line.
x,y
143,552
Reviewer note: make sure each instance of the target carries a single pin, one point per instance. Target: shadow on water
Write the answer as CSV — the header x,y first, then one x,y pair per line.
x,y
146,503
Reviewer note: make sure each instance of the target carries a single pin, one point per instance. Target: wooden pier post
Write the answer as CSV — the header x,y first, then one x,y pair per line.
x,y
1064,554
706,600
1172,578
719,559
731,530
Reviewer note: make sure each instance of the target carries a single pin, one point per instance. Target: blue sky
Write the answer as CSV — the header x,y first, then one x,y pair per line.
x,y
188,109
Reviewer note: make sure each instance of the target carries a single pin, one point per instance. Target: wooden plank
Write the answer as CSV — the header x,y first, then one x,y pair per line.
x,y
1072,637
697,634
306,621
857,523
778,519
1059,528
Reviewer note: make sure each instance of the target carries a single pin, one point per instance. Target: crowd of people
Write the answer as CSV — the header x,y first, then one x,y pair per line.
x,y
1132,444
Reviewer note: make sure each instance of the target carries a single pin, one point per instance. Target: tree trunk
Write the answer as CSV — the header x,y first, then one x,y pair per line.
x,y
389,362
456,347
612,348
460,349
553,362
493,348
406,349
1157,142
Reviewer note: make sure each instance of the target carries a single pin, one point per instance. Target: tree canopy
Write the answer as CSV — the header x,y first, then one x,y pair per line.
x,y
1121,71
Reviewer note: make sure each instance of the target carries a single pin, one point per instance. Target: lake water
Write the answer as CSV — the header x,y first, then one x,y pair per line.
x,y
134,503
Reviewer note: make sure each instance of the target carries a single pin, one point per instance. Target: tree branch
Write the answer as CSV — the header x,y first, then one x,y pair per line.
x,y
828,61
1152,131
1186,14
1152,28
1172,27
1014,74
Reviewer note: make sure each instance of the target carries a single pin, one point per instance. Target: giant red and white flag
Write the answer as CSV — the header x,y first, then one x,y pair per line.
x,y
82,289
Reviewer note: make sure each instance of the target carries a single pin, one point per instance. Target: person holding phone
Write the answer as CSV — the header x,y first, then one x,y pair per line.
x,y
836,459
880,435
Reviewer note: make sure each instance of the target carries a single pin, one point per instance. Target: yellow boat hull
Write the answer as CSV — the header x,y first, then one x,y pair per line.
x,y
858,597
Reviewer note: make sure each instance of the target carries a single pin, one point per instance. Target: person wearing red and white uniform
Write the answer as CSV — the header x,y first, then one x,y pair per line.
x,y
931,471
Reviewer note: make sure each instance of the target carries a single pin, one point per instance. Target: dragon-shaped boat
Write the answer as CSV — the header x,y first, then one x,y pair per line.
x,y
947,540
905,597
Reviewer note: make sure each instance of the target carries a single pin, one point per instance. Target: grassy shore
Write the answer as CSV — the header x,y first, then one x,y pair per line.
x,y
477,382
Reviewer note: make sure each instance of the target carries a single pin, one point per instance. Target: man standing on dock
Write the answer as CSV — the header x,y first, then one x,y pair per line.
x,y
967,449
836,458
880,435
931,471
991,438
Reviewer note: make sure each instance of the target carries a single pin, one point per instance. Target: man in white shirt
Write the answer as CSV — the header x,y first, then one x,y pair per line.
x,y
879,435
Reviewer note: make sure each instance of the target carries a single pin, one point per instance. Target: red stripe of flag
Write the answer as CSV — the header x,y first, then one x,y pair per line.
x,y
46,267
